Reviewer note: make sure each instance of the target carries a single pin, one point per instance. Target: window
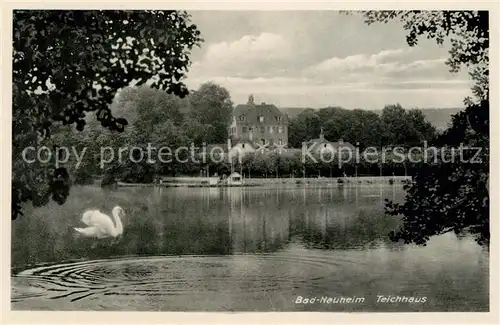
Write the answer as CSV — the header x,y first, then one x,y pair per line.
x,y
324,146
280,129
262,129
242,118
271,129
280,142
244,129
243,145
278,118
263,141
261,118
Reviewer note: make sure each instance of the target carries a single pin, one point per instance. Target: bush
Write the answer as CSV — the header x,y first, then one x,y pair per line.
x,y
109,180
83,177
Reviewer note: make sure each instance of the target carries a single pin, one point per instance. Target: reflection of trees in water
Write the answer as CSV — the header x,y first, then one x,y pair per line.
x,y
365,229
32,242
199,239
271,245
188,224
341,217
199,221
258,221
258,231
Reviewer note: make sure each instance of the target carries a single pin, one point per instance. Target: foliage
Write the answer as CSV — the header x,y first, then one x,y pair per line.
x,y
211,106
109,180
173,126
69,62
157,120
394,126
444,197
408,128
304,127
450,196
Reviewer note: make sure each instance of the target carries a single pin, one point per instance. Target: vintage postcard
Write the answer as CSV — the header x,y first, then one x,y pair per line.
x,y
322,162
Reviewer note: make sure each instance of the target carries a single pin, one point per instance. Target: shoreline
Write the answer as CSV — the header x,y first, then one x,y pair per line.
x,y
255,182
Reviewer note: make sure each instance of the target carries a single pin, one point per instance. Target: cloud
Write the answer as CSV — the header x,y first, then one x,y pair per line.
x,y
266,65
403,65
359,61
251,55
423,84
320,58
306,92
249,47
423,69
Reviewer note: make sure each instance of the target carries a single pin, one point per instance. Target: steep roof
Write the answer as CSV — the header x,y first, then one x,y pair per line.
x,y
315,144
253,111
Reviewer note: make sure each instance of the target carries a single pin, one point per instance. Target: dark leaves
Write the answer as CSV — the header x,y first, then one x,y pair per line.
x,y
71,51
80,125
120,124
59,185
445,197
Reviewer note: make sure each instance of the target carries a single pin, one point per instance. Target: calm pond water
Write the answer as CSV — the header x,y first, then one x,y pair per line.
x,y
240,249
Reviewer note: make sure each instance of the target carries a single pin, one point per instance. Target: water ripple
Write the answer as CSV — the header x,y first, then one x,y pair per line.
x,y
157,276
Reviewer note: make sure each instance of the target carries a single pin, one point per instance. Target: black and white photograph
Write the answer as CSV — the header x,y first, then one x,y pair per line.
x,y
183,160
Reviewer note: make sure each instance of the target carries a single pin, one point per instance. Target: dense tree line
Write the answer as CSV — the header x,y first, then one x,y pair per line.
x,y
363,128
160,120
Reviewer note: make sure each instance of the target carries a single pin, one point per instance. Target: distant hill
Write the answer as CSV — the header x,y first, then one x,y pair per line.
x,y
439,117
292,111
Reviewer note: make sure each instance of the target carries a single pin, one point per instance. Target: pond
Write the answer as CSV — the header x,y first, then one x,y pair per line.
x,y
273,248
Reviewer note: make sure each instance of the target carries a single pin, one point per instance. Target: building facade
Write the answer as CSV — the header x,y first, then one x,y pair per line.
x,y
261,124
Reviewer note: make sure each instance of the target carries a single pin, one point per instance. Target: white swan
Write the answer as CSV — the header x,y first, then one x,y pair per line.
x,y
100,225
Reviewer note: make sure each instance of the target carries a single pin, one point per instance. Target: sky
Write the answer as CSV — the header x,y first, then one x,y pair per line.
x,y
321,58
